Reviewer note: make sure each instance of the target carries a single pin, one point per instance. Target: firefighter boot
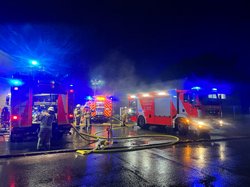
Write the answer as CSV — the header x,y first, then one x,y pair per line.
x,y
48,146
39,144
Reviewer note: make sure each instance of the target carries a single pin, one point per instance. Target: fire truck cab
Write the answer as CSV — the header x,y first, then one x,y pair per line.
x,y
182,110
33,97
101,108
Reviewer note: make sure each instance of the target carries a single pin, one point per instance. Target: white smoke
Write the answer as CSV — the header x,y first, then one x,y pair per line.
x,y
119,75
117,72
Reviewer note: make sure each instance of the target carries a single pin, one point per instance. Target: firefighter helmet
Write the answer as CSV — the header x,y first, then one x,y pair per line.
x,y
78,106
51,109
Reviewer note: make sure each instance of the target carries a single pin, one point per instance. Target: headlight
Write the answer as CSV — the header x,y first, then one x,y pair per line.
x,y
200,124
221,122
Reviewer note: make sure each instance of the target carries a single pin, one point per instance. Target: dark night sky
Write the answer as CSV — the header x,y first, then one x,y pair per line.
x,y
160,40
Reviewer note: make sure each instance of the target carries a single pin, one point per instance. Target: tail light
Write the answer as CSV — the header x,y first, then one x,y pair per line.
x,y
71,116
15,118
14,121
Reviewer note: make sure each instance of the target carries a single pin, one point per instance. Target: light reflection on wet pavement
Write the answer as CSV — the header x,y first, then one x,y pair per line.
x,y
75,141
223,163
203,164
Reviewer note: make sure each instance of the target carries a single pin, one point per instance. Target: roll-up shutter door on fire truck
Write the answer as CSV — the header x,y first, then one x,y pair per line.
x,y
162,106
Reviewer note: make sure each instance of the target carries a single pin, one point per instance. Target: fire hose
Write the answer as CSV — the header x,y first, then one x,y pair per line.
x,y
103,142
102,147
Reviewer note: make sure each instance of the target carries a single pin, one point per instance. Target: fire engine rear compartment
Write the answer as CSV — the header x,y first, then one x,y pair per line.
x,y
27,103
101,108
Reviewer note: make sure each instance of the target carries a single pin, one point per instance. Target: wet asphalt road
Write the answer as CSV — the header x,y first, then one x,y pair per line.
x,y
213,164
210,163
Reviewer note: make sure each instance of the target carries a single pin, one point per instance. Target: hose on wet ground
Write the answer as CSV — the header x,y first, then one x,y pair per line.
x,y
102,146
117,149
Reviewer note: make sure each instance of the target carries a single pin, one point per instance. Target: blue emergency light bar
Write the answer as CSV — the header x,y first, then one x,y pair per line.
x,y
34,62
214,89
15,82
89,98
196,88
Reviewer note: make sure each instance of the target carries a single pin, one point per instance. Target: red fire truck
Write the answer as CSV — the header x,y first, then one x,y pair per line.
x,y
34,96
182,110
101,108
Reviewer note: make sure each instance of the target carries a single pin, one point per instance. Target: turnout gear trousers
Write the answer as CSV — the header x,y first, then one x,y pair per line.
x,y
45,132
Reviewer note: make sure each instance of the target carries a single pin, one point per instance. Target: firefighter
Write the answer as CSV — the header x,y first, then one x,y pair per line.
x,y
124,116
78,115
87,115
5,117
45,133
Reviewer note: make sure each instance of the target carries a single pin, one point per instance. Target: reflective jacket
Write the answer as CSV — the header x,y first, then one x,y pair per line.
x,y
77,113
47,120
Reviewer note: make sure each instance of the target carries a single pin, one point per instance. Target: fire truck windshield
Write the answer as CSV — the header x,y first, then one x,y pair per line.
x,y
208,100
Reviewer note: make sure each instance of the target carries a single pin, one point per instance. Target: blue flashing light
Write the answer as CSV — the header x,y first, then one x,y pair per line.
x,y
71,85
214,89
15,82
89,98
196,88
34,62
113,98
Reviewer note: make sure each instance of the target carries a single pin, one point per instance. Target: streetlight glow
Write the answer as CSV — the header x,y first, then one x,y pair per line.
x,y
96,84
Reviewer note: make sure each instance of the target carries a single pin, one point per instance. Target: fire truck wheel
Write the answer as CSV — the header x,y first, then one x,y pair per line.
x,y
141,122
182,128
